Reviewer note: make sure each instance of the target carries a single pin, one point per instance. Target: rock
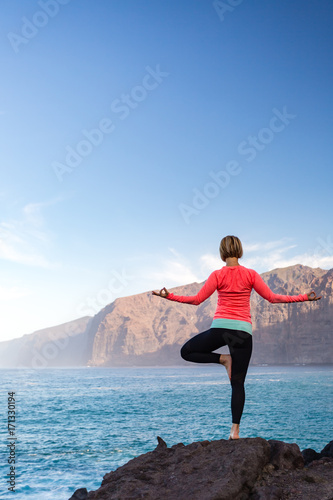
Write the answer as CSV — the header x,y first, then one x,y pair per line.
x,y
267,493
327,451
285,455
243,469
225,470
320,461
80,494
309,455
161,444
298,484
293,481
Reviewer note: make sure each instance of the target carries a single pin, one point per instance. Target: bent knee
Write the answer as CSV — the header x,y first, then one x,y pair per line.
x,y
184,352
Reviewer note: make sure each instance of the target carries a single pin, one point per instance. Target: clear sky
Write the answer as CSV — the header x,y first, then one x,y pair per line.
x,y
135,134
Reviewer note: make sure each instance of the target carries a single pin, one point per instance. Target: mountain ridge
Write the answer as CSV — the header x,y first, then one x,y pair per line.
x,y
145,330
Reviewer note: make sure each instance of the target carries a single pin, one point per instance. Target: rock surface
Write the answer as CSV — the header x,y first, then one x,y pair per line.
x,y
310,455
143,330
311,483
248,468
80,494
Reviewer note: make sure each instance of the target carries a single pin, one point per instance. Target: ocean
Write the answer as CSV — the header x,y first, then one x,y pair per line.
x,y
74,425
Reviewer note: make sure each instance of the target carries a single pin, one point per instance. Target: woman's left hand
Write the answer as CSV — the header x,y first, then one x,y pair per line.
x,y
313,296
162,293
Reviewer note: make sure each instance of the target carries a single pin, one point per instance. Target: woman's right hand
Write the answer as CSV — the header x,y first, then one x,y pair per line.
x,y
162,293
312,296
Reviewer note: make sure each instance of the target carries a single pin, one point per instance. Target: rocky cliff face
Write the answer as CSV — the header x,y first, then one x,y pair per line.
x,y
147,330
144,329
294,333
62,345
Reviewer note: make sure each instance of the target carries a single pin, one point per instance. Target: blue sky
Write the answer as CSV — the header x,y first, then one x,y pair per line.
x,y
136,134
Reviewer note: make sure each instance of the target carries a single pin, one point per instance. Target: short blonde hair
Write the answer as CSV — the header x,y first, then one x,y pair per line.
x,y
230,246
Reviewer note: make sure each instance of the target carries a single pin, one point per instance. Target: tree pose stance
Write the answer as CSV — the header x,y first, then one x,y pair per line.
x,y
231,324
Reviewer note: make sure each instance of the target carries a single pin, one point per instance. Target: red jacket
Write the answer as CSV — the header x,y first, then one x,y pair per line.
x,y
234,285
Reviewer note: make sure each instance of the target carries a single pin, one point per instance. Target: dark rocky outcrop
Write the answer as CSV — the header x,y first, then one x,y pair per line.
x,y
80,494
285,455
327,451
313,482
310,455
248,468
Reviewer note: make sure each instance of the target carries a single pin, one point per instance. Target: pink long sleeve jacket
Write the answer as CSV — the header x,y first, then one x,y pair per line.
x,y
234,285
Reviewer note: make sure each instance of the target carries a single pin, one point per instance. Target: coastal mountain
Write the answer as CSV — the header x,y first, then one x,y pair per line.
x,y
62,345
143,330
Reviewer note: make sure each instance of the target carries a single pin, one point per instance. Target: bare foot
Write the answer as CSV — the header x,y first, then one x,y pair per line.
x,y
233,436
225,360
234,433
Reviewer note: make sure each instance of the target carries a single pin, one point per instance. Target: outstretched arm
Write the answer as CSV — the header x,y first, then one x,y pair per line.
x,y
260,287
206,291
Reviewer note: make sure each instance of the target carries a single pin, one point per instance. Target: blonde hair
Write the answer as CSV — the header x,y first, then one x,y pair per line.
x,y
230,246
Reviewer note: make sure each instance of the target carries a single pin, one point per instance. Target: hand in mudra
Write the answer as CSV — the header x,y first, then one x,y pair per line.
x,y
312,296
162,293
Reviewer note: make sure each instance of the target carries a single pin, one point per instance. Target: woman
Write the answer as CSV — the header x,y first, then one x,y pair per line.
x,y
231,324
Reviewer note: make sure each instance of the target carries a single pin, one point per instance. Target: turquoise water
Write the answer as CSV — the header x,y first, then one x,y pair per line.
x,y
75,425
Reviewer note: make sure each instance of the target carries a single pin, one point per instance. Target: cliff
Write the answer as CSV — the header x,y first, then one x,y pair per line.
x,y
144,329
61,345
294,333
147,330
249,468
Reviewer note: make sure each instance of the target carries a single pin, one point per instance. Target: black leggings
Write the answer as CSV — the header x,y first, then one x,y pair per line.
x,y
199,350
